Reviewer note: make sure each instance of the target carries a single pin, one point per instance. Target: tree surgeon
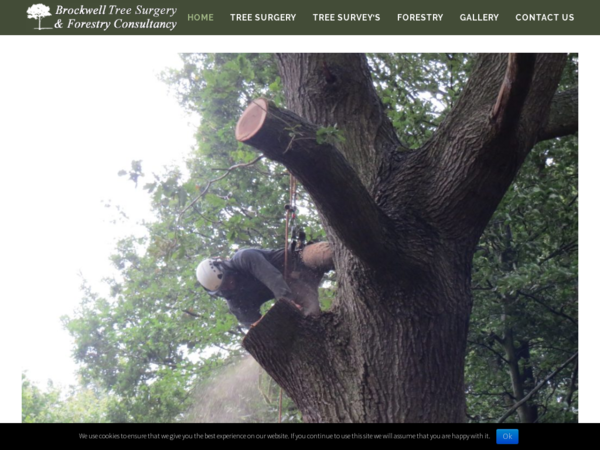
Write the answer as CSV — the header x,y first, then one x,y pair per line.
x,y
252,277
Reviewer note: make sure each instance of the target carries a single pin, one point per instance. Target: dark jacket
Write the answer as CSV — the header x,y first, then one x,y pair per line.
x,y
258,279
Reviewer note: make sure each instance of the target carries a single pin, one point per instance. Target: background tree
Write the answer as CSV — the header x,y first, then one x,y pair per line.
x,y
148,341
77,404
158,332
524,321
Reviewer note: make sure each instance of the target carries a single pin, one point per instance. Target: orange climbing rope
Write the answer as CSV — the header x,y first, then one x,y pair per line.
x,y
290,212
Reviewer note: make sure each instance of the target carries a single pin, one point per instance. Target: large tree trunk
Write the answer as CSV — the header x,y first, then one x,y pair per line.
x,y
403,225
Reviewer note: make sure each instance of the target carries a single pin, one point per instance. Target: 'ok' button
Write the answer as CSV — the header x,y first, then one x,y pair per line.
x,y
507,436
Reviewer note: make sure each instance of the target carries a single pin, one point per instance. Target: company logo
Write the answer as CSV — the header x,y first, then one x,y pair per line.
x,y
38,12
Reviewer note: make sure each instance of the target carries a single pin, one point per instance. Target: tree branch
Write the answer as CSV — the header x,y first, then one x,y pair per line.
x,y
337,89
537,388
336,189
564,248
191,313
552,310
564,118
572,384
214,180
479,148
293,349
481,344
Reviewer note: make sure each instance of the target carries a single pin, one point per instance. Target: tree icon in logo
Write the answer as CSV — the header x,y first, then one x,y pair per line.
x,y
37,12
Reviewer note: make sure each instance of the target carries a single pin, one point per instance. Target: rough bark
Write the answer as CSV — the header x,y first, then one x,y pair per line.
x,y
564,118
402,224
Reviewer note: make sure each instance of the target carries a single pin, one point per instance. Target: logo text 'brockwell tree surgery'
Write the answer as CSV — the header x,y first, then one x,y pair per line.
x,y
38,12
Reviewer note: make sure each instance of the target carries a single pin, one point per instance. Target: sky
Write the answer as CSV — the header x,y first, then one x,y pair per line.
x,y
79,118
75,116
76,110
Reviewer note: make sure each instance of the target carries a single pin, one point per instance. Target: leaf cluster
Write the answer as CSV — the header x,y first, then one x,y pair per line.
x,y
77,404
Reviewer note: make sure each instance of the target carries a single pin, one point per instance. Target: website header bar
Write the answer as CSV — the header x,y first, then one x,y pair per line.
x,y
309,17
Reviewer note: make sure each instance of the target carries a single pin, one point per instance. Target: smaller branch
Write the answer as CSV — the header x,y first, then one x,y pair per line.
x,y
542,289
552,310
563,119
235,166
214,180
535,236
572,384
537,388
191,313
239,332
487,347
478,288
551,347
497,338
567,247
490,394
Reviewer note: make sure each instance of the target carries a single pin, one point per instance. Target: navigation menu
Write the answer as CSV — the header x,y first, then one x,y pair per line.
x,y
309,17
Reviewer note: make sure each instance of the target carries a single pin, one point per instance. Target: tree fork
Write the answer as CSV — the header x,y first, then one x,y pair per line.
x,y
479,148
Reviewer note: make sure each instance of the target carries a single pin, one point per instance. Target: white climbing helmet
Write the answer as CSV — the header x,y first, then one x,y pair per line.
x,y
209,274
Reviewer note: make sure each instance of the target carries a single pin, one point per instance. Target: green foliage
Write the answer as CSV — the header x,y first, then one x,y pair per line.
x,y
134,173
52,405
418,89
156,342
525,284
330,135
157,332
526,289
